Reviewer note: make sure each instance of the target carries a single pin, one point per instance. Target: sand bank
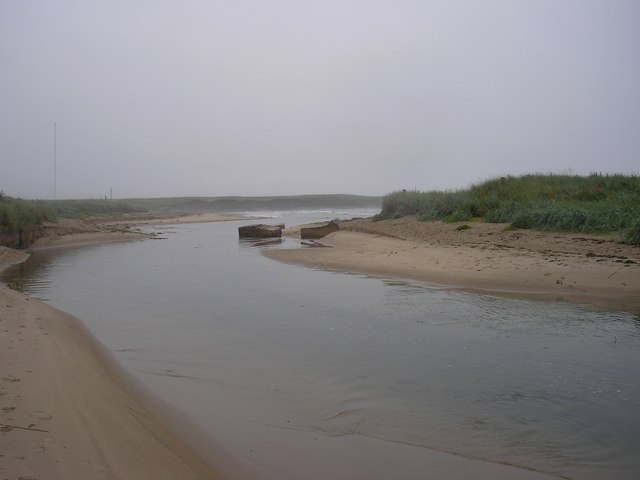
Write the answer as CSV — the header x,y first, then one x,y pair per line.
x,y
72,233
9,256
484,258
64,414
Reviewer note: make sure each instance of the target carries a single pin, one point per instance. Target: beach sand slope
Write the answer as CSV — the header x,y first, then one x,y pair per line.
x,y
63,412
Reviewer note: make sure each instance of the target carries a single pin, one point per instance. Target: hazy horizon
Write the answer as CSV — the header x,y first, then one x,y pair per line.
x,y
207,98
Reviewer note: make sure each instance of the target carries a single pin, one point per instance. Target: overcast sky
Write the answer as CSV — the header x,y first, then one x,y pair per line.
x,y
253,97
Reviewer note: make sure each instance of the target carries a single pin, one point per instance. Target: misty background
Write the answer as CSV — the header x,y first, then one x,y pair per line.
x,y
208,98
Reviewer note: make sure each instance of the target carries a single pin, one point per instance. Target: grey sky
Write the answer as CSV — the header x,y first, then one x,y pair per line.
x,y
252,97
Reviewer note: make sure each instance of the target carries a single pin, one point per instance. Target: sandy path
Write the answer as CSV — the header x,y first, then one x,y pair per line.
x,y
566,267
63,412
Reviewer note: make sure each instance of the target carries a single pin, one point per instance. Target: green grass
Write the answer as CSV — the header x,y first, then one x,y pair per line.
x,y
593,204
20,220
18,215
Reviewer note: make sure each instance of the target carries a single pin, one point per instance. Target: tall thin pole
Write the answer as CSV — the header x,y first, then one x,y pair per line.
x,y
55,160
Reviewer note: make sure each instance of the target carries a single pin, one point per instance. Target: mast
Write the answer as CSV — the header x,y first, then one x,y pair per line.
x,y
55,160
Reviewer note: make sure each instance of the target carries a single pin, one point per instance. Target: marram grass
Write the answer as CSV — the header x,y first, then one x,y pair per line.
x,y
593,204
21,215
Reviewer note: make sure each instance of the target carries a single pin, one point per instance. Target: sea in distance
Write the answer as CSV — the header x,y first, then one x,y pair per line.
x,y
272,369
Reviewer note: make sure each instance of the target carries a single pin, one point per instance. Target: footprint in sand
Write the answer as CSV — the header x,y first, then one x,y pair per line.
x,y
11,379
42,416
8,409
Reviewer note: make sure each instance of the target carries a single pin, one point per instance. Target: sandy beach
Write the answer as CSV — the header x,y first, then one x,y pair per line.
x,y
65,414
586,269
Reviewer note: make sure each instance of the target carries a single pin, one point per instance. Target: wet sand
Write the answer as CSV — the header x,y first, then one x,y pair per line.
x,y
586,269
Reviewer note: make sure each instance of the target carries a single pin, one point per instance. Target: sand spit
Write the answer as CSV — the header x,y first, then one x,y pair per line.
x,y
72,233
484,258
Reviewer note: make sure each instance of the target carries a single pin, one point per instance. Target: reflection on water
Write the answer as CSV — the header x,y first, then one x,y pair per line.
x,y
223,333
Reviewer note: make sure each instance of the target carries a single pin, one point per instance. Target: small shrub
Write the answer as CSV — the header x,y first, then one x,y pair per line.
x,y
462,227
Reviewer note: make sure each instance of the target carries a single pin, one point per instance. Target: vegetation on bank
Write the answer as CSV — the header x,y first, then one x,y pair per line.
x,y
593,204
21,221
18,215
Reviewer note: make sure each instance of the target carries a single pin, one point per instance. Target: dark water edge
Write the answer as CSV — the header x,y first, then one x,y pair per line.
x,y
237,342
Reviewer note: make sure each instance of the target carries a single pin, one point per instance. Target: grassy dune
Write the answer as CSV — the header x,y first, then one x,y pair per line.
x,y
20,221
593,204
17,214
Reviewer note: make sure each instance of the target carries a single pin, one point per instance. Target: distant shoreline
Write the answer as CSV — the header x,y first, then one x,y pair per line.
x,y
585,269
